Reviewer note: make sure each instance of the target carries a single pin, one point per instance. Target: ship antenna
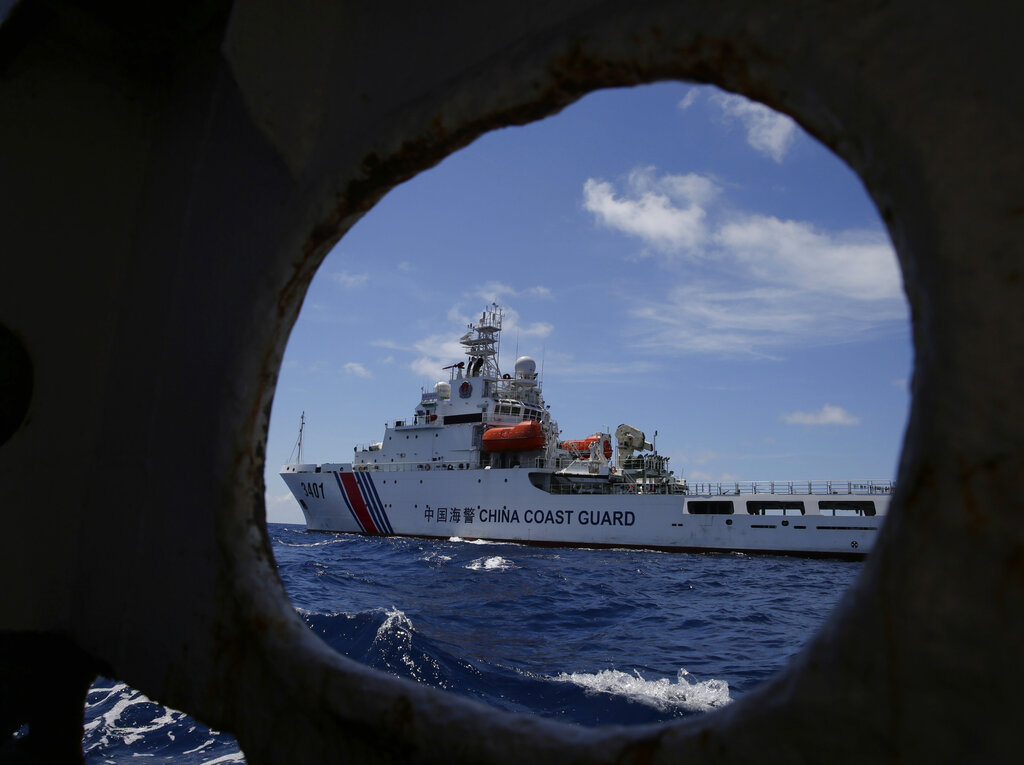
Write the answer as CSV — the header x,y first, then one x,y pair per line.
x,y
497,345
298,444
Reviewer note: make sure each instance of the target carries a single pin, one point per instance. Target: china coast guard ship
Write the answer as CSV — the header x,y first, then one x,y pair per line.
x,y
481,458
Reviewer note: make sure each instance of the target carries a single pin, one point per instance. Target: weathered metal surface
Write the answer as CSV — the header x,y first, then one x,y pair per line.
x,y
168,190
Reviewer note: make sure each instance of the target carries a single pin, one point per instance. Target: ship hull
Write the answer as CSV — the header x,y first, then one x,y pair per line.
x,y
505,505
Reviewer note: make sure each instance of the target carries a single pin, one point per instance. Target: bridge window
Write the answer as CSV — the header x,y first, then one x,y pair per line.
x,y
846,507
775,507
710,507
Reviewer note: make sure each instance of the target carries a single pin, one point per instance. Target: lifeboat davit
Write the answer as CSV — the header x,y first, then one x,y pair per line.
x,y
581,449
524,437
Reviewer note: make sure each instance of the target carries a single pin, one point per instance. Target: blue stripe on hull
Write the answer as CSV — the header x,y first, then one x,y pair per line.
x,y
369,491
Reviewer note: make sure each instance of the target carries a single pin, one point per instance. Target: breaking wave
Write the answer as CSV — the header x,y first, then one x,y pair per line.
x,y
494,563
662,694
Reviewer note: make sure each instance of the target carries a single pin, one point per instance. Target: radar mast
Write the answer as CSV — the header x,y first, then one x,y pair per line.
x,y
482,344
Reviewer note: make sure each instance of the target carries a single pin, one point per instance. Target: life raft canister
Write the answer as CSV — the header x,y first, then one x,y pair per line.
x,y
581,449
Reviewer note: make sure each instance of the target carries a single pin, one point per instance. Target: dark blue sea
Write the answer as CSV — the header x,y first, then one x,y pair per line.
x,y
584,636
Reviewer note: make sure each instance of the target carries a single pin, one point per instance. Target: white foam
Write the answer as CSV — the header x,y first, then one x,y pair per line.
x,y
233,757
395,633
209,742
483,541
110,721
396,621
336,541
434,556
494,563
662,694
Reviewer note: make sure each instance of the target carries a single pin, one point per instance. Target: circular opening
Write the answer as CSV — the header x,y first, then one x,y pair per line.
x,y
674,257
689,299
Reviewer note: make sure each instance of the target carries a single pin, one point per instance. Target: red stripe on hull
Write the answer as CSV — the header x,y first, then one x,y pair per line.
x,y
356,498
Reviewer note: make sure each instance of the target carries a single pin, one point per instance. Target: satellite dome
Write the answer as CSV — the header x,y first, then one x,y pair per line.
x,y
443,390
526,368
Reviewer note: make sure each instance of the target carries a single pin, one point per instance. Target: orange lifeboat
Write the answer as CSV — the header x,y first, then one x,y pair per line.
x,y
524,437
581,449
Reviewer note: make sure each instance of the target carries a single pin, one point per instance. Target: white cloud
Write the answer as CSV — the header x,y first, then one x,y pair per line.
x,y
753,283
538,329
860,265
689,98
436,351
357,369
728,322
827,415
756,321
282,508
433,352
565,366
496,292
350,281
768,132
280,500
667,212
512,326
456,316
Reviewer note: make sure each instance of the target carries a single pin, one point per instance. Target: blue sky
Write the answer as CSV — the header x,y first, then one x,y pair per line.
x,y
674,257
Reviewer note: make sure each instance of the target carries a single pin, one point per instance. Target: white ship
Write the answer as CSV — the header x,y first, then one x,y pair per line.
x,y
481,459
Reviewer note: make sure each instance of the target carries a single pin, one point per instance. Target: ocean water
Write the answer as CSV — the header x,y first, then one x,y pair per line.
x,y
585,636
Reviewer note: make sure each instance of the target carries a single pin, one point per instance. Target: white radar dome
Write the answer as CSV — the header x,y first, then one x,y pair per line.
x,y
443,390
526,368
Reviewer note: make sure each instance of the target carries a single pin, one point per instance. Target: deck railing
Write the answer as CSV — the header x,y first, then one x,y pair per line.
x,y
722,488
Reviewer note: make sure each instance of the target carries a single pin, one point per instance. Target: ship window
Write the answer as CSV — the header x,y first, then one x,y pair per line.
x,y
846,507
775,507
710,507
